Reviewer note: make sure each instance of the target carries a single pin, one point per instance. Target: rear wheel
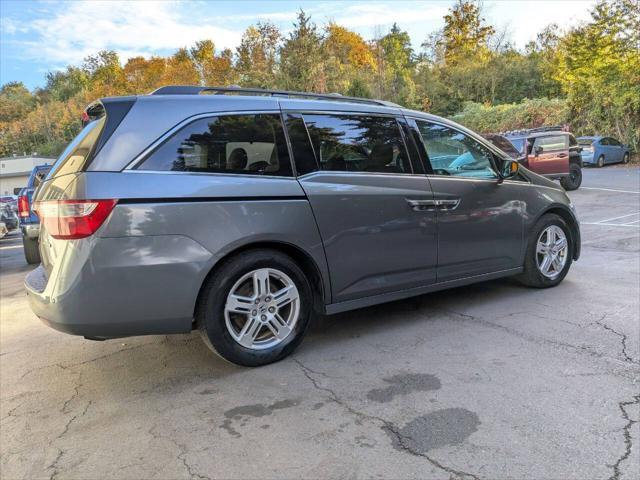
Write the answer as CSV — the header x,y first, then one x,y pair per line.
x,y
255,309
574,179
31,250
549,253
625,159
600,162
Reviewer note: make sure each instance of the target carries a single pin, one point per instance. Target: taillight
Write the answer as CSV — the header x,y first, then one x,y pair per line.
x,y
23,206
73,219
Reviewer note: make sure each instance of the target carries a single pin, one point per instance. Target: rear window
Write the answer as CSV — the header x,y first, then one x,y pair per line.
x,y
585,141
250,144
552,142
78,152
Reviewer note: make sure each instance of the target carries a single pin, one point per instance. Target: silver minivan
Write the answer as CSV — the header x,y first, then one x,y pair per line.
x,y
242,212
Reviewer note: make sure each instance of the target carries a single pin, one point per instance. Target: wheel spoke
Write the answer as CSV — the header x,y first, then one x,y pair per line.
x,y
249,332
560,244
557,263
261,282
285,296
239,304
546,263
541,248
278,326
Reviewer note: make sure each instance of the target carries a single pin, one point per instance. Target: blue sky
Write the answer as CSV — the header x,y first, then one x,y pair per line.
x,y
41,36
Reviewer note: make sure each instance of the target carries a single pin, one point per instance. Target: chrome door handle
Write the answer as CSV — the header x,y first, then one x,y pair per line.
x,y
421,205
447,204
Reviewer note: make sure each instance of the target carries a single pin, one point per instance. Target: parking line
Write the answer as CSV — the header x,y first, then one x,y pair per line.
x,y
621,216
609,190
610,224
635,221
10,246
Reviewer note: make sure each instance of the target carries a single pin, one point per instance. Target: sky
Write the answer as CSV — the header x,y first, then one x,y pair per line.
x,y
41,36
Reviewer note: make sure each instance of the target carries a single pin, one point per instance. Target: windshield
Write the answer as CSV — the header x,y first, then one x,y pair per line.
x,y
518,143
77,153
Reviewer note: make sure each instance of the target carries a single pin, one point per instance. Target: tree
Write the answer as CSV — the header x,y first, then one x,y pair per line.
x,y
395,60
15,101
212,69
465,34
257,56
301,57
599,71
349,60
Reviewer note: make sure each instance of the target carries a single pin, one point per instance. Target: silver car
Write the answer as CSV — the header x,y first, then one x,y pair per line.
x,y
241,213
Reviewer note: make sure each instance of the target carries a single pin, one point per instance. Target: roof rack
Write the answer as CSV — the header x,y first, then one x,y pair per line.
x,y
527,131
195,90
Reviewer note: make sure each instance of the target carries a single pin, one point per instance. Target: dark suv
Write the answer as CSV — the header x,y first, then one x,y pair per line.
x,y
240,212
548,151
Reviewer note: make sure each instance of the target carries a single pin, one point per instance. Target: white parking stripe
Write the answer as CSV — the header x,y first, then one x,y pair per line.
x,y
609,190
635,221
610,224
621,216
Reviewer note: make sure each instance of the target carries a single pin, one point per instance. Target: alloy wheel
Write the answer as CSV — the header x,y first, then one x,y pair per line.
x,y
262,308
551,251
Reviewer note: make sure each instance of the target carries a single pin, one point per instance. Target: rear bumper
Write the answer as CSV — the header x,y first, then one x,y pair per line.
x,y
119,287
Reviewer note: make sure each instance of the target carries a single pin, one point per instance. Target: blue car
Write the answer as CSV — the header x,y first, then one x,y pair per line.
x,y
599,151
29,221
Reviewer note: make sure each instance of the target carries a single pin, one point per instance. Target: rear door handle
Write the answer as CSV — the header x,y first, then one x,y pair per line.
x,y
421,205
562,155
441,204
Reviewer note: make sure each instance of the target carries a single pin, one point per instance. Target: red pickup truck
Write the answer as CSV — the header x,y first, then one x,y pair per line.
x,y
547,151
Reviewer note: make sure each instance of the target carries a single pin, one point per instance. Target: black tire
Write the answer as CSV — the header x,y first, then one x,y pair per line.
x,y
574,180
210,309
600,161
532,276
31,250
625,159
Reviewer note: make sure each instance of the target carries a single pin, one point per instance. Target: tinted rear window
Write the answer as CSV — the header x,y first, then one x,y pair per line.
x,y
251,144
79,151
585,141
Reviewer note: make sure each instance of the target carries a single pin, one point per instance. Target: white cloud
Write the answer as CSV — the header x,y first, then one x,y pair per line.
x,y
372,14
130,28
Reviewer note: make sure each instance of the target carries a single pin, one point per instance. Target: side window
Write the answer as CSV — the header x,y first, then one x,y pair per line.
x,y
552,143
358,143
454,153
250,144
604,141
613,142
301,148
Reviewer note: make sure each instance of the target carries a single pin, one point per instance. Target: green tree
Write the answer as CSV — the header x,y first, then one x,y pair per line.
x,y
302,57
257,56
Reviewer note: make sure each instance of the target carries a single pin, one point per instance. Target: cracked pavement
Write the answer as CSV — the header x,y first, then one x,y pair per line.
x,y
488,381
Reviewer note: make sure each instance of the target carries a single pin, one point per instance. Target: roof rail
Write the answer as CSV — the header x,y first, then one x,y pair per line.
x,y
526,131
195,90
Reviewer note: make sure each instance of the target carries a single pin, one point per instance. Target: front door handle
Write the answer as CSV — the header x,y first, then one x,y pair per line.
x,y
562,155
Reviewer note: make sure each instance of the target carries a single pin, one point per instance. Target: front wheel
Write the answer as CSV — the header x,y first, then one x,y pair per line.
x,y
549,253
255,309
574,179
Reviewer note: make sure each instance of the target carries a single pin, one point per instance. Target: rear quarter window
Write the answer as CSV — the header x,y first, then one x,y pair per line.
x,y
250,144
74,158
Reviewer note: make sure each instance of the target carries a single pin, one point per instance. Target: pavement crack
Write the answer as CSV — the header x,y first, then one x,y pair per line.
x,y
542,340
386,425
626,433
623,340
182,453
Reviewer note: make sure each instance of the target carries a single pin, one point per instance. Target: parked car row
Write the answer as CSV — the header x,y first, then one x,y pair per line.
x,y
240,213
29,221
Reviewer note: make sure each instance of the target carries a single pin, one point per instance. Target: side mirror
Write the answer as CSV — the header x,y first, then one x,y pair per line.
x,y
510,169
538,150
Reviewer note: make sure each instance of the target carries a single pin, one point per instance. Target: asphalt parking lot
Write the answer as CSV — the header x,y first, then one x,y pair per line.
x,y
488,381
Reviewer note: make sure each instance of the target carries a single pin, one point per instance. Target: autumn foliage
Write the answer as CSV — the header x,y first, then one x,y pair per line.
x,y
587,77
